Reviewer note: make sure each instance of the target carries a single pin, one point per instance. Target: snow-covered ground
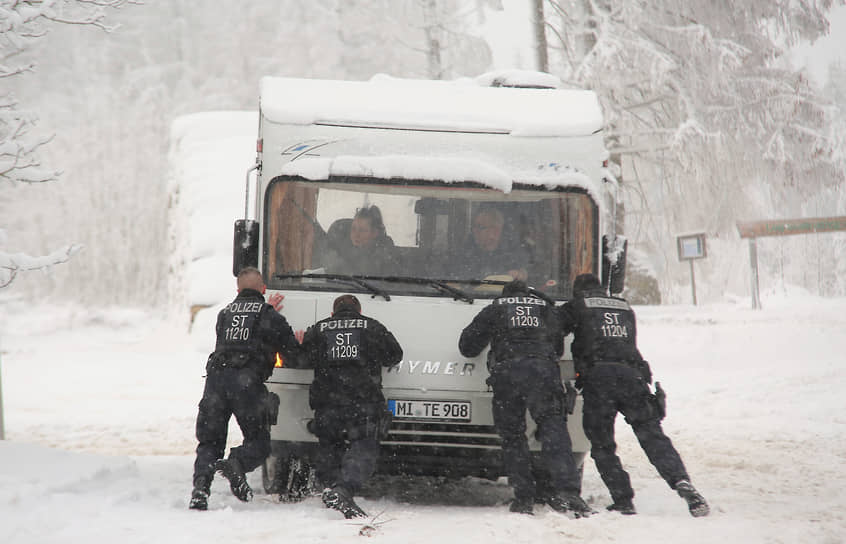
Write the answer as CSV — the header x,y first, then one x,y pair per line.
x,y
100,405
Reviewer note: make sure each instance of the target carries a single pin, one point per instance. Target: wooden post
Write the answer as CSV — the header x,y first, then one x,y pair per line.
x,y
691,247
2,429
692,281
782,227
753,261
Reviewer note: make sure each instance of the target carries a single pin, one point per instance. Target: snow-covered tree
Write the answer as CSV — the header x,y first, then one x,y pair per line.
x,y
12,263
22,23
711,123
430,39
112,97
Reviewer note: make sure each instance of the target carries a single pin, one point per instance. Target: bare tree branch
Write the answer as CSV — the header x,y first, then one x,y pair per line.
x,y
12,263
22,24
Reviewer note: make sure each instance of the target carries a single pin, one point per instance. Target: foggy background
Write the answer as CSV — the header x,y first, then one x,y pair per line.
x,y
708,118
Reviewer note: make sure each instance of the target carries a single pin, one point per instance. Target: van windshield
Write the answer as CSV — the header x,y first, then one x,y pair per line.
x,y
423,238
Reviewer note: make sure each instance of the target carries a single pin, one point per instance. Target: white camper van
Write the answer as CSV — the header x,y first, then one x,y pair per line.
x,y
429,155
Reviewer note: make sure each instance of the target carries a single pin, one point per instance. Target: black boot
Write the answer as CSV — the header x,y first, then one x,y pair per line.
x,y
231,470
199,500
522,506
570,503
340,499
623,506
695,502
200,494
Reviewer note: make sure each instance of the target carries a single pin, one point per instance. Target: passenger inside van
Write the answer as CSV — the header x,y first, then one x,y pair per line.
x,y
488,251
361,246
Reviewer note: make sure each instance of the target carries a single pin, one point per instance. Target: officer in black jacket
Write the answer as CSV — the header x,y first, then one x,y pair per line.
x,y
347,352
526,343
249,334
614,377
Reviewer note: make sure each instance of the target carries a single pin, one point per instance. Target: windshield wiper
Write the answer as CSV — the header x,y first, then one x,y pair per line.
x,y
443,285
342,278
440,285
458,294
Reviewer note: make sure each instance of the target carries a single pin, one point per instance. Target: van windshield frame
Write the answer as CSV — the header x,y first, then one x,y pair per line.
x,y
437,239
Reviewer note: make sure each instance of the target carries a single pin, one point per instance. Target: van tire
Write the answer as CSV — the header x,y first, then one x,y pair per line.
x,y
274,474
290,477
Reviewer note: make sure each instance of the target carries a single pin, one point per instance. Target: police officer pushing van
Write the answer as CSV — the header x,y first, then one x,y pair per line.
x,y
614,378
527,341
249,334
347,351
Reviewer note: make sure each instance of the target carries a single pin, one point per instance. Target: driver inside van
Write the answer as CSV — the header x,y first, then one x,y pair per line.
x,y
365,249
487,253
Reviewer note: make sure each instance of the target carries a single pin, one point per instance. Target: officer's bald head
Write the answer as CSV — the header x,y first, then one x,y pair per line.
x,y
346,302
516,287
250,278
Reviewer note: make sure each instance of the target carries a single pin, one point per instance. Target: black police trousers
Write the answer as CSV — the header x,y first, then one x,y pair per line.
x,y
533,384
348,444
616,387
231,391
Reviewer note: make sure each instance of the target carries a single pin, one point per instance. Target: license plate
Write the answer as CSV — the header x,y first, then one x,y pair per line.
x,y
441,410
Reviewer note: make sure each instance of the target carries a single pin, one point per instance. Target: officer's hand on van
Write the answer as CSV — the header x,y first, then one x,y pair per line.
x,y
275,300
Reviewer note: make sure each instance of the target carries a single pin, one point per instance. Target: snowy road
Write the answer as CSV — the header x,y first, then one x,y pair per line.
x,y
99,414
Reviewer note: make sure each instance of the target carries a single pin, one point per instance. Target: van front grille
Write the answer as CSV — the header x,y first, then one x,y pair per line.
x,y
404,433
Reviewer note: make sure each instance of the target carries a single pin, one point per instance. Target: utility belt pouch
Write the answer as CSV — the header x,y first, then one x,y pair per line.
x,y
376,425
271,403
218,360
385,424
237,360
642,367
210,363
659,400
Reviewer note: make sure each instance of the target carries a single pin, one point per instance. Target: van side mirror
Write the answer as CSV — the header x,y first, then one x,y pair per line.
x,y
614,263
245,245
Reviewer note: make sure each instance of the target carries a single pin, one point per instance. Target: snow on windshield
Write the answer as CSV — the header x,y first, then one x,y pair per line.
x,y
449,170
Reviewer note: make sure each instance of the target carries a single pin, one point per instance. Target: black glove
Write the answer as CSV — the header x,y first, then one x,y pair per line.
x,y
580,382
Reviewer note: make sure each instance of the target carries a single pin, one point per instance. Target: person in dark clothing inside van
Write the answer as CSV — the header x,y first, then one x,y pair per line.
x,y
365,248
250,332
614,378
487,253
526,342
348,351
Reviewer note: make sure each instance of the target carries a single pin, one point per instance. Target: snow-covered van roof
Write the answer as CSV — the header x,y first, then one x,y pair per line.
x,y
467,105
